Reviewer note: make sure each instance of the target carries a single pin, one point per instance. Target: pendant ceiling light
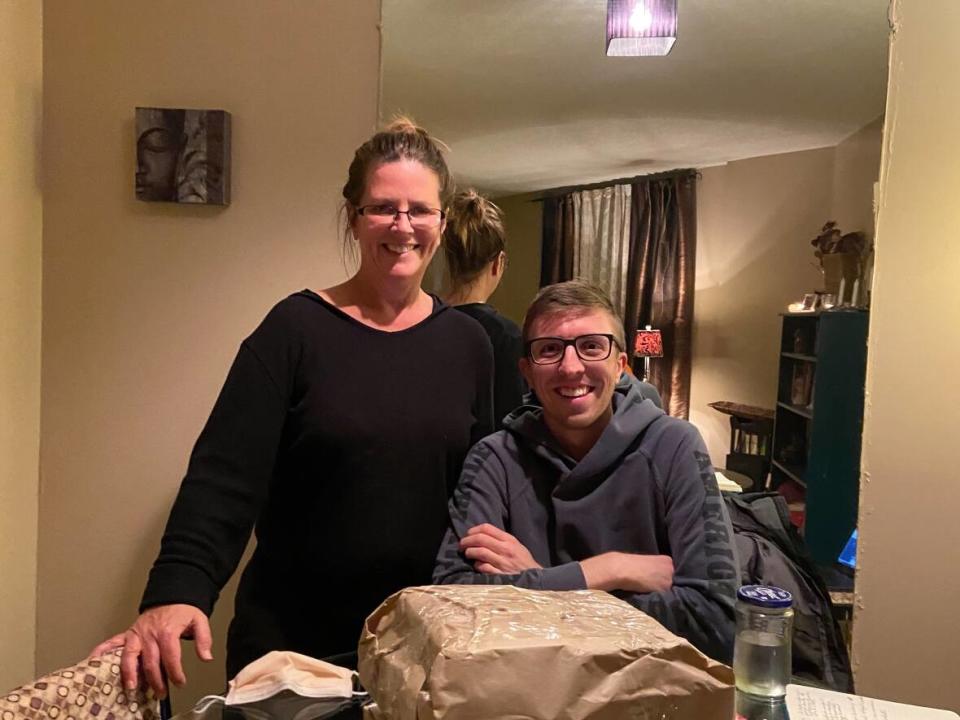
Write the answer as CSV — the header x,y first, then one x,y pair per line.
x,y
641,27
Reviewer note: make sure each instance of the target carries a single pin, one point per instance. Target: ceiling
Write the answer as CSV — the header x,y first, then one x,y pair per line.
x,y
523,94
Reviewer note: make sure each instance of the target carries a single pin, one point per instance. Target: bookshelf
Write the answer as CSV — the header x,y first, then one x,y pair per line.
x,y
818,423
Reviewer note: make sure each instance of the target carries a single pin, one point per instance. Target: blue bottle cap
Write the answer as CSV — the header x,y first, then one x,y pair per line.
x,y
765,596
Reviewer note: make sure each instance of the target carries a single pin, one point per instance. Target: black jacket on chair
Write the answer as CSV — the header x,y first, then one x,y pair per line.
x,y
771,552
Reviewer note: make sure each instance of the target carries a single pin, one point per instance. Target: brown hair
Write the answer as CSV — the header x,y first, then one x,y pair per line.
x,y
402,139
474,236
573,295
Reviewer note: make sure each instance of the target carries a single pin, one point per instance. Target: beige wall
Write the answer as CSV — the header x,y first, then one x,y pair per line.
x,y
907,624
755,220
856,169
523,219
145,304
21,85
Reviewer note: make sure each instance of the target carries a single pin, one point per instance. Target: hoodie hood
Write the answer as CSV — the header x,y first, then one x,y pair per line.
x,y
631,417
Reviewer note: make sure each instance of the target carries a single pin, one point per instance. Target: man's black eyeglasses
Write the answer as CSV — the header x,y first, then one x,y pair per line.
x,y
589,348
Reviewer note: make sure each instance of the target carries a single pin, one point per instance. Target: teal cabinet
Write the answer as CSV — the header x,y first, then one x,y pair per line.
x,y
819,423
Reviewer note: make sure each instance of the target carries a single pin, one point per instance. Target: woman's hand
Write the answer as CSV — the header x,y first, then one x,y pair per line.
x,y
154,640
496,551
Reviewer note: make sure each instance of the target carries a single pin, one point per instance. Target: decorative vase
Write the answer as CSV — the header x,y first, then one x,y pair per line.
x,y
838,266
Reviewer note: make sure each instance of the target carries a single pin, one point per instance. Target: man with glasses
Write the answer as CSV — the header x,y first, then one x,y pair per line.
x,y
596,488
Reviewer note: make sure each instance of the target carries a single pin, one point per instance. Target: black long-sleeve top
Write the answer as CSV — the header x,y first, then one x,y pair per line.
x,y
341,444
505,336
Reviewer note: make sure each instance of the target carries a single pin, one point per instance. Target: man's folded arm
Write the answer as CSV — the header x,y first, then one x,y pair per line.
x,y
481,497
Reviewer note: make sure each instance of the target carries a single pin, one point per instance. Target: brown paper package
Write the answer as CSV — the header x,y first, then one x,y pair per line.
x,y
468,652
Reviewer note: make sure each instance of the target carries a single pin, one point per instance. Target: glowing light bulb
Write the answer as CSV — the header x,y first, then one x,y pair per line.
x,y
640,18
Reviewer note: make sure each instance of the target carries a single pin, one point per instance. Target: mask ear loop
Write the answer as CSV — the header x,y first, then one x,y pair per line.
x,y
358,691
206,701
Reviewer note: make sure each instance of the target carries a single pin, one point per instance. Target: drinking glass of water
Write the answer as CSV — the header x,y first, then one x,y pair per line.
x,y
761,651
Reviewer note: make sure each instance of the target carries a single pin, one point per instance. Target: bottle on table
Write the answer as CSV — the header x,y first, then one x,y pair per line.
x,y
762,649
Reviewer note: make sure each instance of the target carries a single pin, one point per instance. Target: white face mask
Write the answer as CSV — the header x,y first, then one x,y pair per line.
x,y
282,670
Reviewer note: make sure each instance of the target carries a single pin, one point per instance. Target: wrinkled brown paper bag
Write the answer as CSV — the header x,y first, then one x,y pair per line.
x,y
471,652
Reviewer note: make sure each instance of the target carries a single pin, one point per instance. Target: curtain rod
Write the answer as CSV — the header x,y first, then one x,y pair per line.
x,y
556,192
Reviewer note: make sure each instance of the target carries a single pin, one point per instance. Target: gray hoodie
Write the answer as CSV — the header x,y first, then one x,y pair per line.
x,y
646,487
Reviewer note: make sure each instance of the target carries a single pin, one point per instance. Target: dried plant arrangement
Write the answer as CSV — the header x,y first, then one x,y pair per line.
x,y
832,240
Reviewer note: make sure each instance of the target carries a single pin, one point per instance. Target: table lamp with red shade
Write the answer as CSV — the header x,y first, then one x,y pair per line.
x,y
648,343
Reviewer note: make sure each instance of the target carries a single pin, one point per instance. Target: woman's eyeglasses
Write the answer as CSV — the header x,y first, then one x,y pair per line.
x,y
589,348
419,217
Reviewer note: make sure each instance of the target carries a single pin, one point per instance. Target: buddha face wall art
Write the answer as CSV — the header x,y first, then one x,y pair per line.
x,y
183,156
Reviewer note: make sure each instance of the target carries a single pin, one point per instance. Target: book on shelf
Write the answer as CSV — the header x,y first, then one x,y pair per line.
x,y
801,385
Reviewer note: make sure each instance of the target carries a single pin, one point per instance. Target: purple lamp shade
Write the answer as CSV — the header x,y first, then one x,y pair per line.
x,y
641,27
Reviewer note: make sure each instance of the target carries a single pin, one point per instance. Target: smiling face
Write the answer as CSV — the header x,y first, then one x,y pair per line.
x,y
395,249
576,395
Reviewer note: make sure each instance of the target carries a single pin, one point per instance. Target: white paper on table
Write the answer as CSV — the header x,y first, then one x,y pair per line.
x,y
807,703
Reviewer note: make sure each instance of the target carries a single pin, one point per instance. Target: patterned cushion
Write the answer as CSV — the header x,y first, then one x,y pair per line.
x,y
89,691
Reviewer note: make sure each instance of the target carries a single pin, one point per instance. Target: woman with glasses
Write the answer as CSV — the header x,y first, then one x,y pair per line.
x,y
338,435
474,247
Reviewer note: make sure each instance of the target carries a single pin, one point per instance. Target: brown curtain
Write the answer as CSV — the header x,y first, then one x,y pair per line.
x,y
557,249
660,275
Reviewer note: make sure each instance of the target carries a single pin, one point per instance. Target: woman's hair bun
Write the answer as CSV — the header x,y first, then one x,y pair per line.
x,y
406,125
403,124
467,209
474,237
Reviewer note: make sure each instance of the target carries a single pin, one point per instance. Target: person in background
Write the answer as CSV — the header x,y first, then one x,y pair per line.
x,y
338,436
598,488
474,247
